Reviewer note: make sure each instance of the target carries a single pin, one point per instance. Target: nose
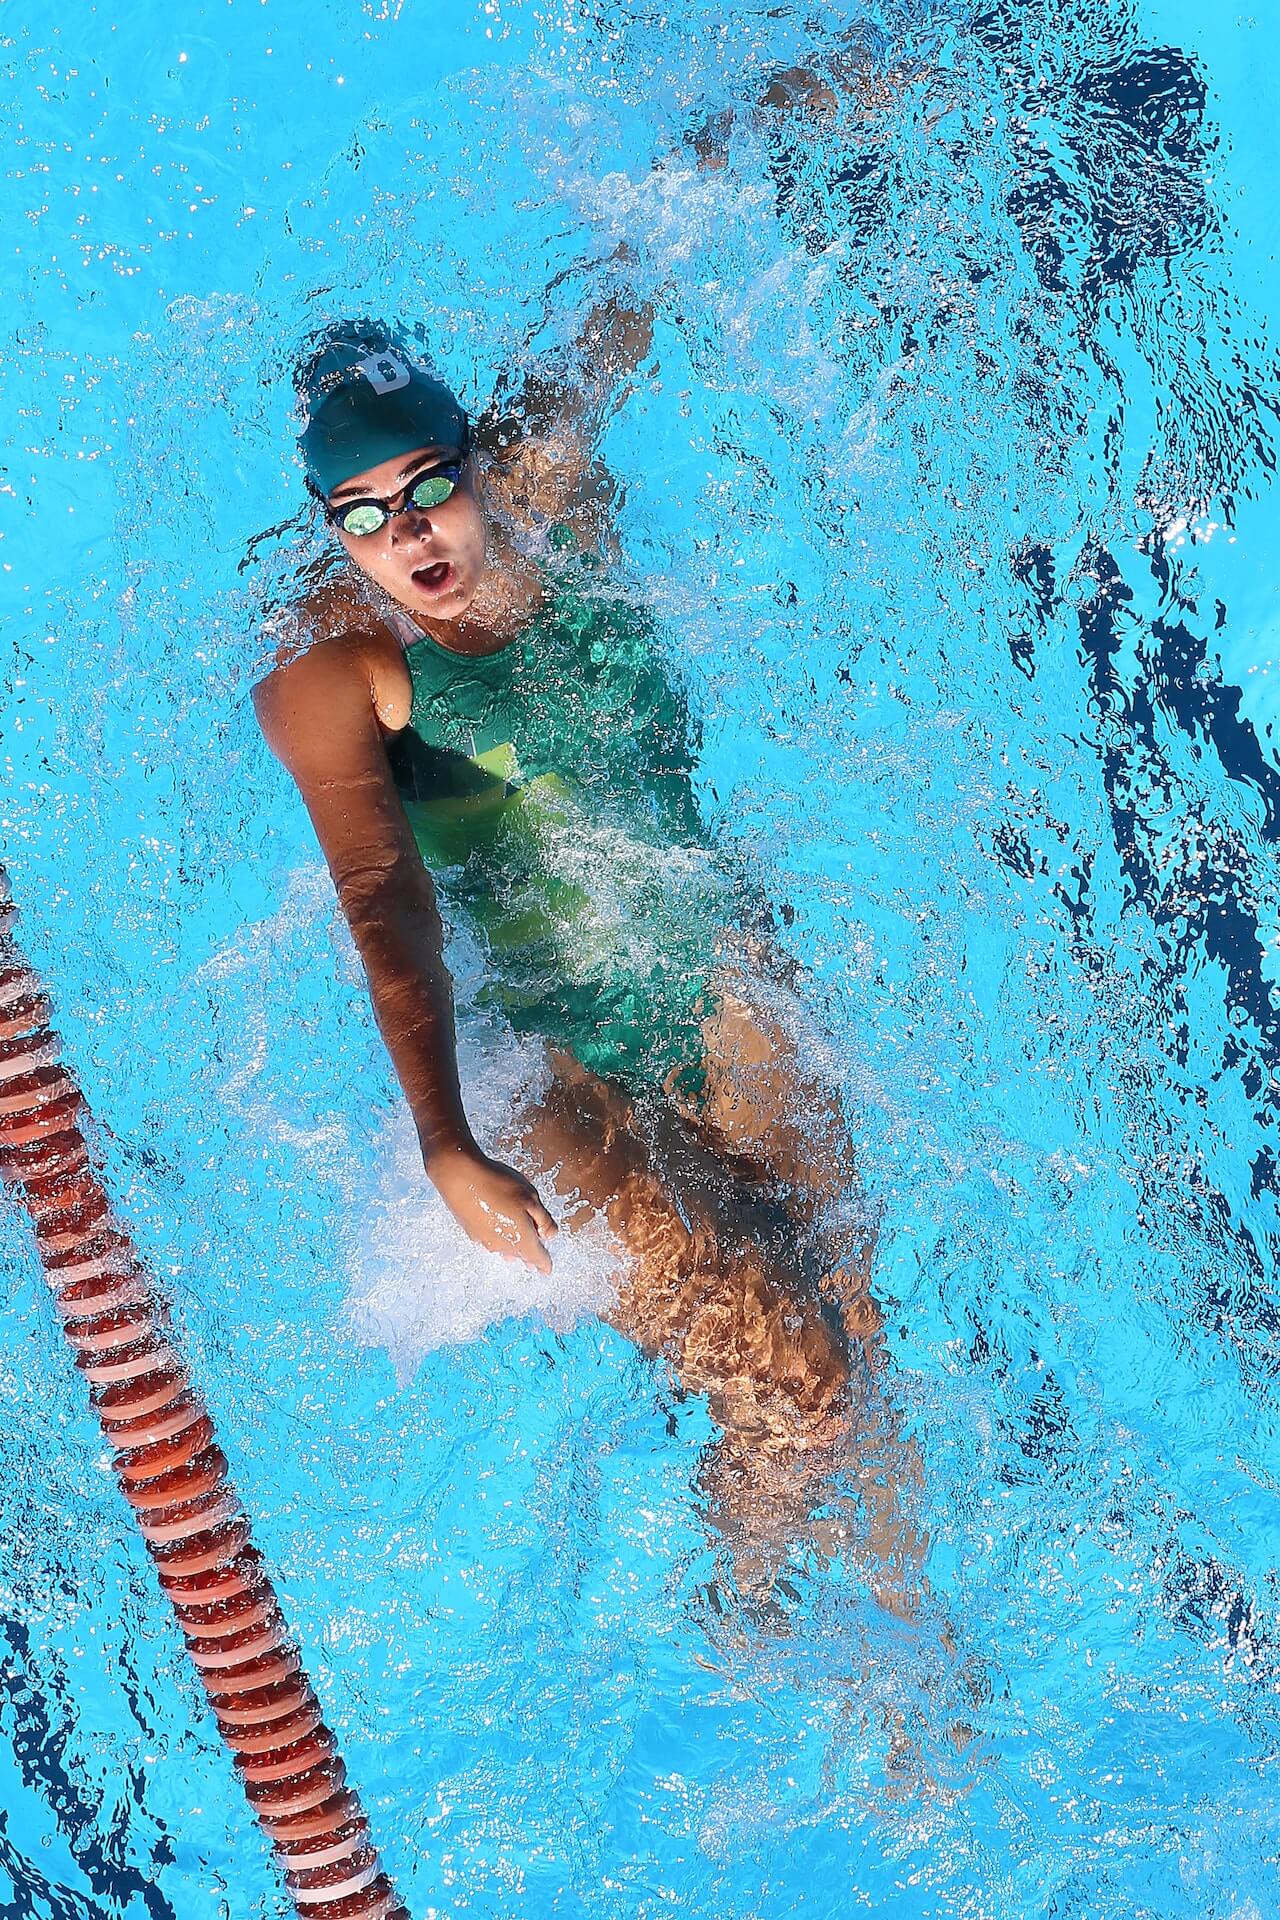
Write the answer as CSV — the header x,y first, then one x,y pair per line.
x,y
410,524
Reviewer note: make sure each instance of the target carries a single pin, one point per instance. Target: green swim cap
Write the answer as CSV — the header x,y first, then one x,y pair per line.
x,y
367,397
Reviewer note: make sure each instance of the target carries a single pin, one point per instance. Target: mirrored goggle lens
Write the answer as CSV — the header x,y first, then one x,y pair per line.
x,y
363,519
435,489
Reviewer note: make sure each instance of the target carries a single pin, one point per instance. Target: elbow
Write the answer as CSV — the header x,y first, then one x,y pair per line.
x,y
376,886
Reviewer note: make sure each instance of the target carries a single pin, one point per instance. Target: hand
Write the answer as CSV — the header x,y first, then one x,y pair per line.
x,y
798,87
494,1204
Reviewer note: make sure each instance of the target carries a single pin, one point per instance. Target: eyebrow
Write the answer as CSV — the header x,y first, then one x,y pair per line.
x,y
430,457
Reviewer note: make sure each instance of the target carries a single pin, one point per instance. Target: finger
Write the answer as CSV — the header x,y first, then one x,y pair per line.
x,y
536,1254
516,1238
542,1220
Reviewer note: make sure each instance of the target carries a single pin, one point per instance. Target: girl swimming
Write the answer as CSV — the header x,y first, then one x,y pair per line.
x,y
476,701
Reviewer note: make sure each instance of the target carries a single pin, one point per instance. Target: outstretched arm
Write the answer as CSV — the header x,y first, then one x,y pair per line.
x,y
319,713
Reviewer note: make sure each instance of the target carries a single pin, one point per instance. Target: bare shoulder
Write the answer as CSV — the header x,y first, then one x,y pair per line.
x,y
339,677
333,610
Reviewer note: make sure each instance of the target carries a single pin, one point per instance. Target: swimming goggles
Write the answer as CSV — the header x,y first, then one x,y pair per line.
x,y
428,490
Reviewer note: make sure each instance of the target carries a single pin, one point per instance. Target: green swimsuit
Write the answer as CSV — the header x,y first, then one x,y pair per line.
x,y
548,788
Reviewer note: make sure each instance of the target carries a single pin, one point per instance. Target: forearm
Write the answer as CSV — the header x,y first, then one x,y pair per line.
x,y
616,339
565,397
396,926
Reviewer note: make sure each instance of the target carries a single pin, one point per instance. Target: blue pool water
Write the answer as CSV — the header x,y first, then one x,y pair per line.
x,y
951,480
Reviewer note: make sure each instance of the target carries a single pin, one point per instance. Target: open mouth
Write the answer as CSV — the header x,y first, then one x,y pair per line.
x,y
434,579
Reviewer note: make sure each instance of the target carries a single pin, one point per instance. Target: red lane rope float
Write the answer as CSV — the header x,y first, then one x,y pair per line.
x,y
174,1475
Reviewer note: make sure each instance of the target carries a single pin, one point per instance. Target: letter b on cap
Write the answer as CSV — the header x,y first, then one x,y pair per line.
x,y
384,372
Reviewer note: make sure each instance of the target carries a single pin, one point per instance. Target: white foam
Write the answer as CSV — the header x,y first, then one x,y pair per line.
x,y
420,1282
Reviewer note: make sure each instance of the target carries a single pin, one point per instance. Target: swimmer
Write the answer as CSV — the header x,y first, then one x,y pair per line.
x,y
474,702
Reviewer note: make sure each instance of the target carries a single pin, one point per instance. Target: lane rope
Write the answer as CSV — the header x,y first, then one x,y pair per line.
x,y
174,1475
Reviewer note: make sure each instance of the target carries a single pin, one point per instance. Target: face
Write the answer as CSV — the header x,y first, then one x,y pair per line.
x,y
430,559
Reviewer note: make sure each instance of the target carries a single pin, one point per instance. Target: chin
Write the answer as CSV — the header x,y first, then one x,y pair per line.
x,y
441,606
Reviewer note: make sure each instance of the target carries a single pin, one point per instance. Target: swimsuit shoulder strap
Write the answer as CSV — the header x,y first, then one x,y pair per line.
x,y
404,627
